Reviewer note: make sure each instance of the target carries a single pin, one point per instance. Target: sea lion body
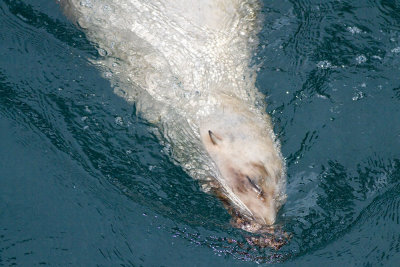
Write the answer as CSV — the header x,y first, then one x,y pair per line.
x,y
186,65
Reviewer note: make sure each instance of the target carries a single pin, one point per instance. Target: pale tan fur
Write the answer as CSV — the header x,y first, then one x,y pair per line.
x,y
242,145
186,65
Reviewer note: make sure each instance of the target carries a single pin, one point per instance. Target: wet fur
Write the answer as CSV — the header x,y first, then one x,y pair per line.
x,y
229,133
247,155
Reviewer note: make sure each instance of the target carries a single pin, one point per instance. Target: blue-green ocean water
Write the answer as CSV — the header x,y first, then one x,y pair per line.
x,y
84,182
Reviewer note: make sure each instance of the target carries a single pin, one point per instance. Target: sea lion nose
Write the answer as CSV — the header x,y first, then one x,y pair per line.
x,y
265,211
270,220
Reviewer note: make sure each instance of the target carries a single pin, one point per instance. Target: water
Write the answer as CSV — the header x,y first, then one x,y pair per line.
x,y
83,181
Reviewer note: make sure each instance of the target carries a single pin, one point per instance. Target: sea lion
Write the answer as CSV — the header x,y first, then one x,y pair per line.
x,y
186,65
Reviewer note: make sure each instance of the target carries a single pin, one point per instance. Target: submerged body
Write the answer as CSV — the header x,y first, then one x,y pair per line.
x,y
185,63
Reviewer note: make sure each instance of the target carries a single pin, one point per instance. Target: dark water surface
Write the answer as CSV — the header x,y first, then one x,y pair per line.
x,y
83,182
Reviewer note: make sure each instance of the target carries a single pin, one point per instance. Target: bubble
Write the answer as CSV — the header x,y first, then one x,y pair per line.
x,y
361,59
353,30
107,8
321,96
395,50
102,52
325,64
86,3
358,95
118,120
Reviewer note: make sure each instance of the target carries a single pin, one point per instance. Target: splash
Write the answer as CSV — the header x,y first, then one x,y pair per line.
x,y
186,66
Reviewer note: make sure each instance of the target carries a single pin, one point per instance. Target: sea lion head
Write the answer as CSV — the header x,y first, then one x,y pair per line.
x,y
250,167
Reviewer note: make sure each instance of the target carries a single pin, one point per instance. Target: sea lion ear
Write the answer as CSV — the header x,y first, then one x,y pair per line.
x,y
215,139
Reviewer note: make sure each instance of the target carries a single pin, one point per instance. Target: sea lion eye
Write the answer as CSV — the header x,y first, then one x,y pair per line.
x,y
254,185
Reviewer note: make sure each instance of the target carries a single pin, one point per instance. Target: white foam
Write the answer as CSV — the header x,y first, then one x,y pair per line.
x,y
179,60
324,64
361,59
396,50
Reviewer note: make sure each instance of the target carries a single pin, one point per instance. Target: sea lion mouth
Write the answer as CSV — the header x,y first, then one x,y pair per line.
x,y
241,220
260,235
271,236
248,223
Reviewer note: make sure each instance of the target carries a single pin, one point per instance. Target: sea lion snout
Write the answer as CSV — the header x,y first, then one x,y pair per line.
x,y
253,190
250,169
